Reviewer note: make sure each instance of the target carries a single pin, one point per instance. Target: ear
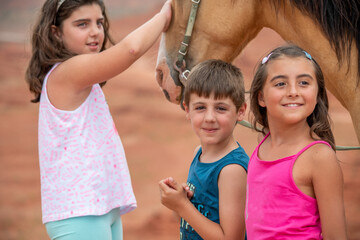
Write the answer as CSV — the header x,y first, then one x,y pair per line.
x,y
56,32
186,108
261,99
241,112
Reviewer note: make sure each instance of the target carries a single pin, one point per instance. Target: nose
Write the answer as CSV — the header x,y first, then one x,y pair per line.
x,y
293,90
95,29
209,115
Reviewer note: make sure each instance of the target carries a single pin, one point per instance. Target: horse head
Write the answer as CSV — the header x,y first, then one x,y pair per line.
x,y
217,34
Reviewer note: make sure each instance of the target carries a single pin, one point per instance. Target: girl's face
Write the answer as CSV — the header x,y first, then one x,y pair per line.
x,y
290,90
213,120
83,31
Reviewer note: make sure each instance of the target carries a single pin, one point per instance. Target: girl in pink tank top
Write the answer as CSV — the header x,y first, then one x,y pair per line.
x,y
295,183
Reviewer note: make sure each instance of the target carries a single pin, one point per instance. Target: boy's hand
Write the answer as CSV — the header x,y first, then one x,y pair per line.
x,y
172,194
170,182
189,193
166,10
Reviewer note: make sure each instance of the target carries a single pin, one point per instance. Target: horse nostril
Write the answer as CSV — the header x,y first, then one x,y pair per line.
x,y
166,94
159,76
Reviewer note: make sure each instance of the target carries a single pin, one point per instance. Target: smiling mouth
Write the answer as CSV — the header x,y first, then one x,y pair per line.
x,y
209,129
92,44
292,105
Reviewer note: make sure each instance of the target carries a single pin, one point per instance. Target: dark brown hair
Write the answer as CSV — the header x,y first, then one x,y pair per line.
x,y
216,77
318,121
46,49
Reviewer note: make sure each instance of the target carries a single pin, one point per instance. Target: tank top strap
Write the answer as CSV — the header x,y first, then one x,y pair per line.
x,y
311,144
266,136
261,142
47,75
256,150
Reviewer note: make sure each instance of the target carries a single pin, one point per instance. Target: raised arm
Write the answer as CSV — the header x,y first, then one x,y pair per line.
x,y
73,78
328,187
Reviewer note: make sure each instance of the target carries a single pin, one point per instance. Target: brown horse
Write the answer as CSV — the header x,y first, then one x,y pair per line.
x,y
329,31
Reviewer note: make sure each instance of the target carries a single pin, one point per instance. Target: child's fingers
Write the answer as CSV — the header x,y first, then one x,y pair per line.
x,y
163,185
185,187
172,183
189,193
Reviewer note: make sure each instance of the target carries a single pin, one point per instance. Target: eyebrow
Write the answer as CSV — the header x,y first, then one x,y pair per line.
x,y
87,20
299,76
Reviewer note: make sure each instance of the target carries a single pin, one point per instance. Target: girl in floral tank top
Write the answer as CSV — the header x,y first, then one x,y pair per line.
x,y
85,181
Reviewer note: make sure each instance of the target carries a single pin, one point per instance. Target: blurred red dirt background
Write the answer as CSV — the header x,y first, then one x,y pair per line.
x,y
158,139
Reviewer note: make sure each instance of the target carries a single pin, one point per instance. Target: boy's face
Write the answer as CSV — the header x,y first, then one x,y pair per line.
x,y
213,120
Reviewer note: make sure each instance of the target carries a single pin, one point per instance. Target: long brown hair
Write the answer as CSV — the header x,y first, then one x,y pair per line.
x,y
46,49
318,120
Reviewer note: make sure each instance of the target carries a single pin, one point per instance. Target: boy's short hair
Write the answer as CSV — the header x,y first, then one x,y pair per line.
x,y
218,77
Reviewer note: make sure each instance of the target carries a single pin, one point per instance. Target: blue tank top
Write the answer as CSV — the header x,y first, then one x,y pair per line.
x,y
203,181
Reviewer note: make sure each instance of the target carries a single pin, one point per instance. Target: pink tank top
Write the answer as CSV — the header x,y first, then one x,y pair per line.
x,y
275,207
82,161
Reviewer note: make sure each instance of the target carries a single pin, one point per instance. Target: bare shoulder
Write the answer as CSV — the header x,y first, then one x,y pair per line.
x,y
321,154
232,171
323,161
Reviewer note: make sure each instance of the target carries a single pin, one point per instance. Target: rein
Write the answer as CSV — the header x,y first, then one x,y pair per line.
x,y
338,148
180,64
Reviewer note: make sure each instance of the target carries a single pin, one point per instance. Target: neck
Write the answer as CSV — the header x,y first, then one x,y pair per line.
x,y
214,152
289,135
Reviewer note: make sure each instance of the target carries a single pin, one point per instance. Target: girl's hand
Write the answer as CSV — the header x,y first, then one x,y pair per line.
x,y
166,11
173,195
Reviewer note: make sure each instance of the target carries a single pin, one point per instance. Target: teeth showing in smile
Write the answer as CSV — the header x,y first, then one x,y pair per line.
x,y
292,105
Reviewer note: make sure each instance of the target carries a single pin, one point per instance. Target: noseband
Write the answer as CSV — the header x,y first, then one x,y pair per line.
x,y
180,64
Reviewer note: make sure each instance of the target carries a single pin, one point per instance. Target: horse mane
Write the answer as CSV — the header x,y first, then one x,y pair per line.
x,y
339,19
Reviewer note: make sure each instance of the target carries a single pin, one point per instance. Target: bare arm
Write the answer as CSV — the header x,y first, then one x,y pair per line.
x,y
232,191
328,187
74,77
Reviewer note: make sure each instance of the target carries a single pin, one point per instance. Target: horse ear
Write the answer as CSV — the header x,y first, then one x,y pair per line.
x,y
261,101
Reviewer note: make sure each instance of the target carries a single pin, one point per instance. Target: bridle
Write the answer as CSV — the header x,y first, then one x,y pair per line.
x,y
180,64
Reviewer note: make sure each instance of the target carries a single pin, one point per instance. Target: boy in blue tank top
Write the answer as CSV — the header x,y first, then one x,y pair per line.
x,y
214,102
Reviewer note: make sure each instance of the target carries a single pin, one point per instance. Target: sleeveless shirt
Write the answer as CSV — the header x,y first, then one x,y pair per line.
x,y
82,161
203,181
275,206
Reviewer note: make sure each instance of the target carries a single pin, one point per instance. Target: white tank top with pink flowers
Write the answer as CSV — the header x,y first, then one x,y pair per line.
x,y
82,161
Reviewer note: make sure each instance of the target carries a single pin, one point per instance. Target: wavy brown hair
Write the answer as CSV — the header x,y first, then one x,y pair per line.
x,y
319,120
46,49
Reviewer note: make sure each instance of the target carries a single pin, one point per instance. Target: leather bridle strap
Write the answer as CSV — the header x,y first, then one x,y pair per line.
x,y
180,64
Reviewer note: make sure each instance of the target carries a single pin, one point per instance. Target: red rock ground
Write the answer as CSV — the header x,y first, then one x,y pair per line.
x,y
158,141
